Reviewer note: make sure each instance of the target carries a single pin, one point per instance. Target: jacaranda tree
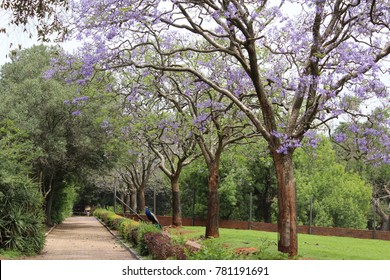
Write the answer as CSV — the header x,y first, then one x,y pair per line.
x,y
289,66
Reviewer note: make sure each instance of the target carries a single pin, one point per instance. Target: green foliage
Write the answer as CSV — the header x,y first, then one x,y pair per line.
x,y
65,197
21,216
10,254
125,226
193,182
143,229
109,218
265,251
61,120
212,250
340,198
244,169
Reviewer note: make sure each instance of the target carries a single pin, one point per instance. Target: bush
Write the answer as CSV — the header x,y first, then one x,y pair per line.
x,y
147,237
126,227
144,228
134,236
109,218
161,248
63,201
21,214
21,218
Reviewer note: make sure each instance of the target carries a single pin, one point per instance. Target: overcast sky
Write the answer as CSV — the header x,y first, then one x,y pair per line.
x,y
18,36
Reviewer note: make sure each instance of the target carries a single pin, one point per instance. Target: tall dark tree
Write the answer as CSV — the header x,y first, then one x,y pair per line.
x,y
57,121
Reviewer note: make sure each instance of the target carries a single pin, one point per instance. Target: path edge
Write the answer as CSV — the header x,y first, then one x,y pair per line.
x,y
131,251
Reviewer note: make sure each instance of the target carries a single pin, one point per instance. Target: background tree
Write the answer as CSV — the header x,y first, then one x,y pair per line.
x,y
215,126
175,148
49,111
359,143
155,122
340,198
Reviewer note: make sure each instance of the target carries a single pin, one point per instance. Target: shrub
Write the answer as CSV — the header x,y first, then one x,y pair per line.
x,y
144,228
134,236
63,201
99,212
161,248
109,218
126,227
21,214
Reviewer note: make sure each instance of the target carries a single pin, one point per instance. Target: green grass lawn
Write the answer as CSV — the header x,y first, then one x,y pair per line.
x,y
309,246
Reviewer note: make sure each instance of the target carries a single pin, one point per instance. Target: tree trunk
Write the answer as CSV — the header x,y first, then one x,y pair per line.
x,y
133,203
48,207
287,213
141,199
386,223
128,200
122,197
212,224
176,215
384,217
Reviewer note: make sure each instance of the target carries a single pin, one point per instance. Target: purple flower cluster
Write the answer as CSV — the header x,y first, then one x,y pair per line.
x,y
80,100
340,138
201,121
168,124
286,143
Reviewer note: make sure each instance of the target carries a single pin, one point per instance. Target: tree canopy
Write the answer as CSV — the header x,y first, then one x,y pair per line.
x,y
70,142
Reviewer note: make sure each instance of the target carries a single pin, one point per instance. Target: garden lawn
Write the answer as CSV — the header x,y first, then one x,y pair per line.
x,y
309,246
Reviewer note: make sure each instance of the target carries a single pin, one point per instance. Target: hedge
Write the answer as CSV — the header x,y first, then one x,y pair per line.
x,y
148,239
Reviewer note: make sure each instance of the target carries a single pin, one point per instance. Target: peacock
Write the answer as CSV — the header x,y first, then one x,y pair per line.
x,y
152,217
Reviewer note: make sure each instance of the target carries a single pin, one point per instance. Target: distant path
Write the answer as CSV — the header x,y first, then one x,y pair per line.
x,y
82,238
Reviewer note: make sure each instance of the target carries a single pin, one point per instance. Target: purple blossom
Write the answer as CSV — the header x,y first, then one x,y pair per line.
x,y
167,123
49,74
78,100
119,37
339,138
313,138
354,128
201,118
105,124
362,144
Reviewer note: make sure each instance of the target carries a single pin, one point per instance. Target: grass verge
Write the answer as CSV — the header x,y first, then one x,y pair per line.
x,y
309,246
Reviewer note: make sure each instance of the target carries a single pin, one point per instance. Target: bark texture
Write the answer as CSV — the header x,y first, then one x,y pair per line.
x,y
287,221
